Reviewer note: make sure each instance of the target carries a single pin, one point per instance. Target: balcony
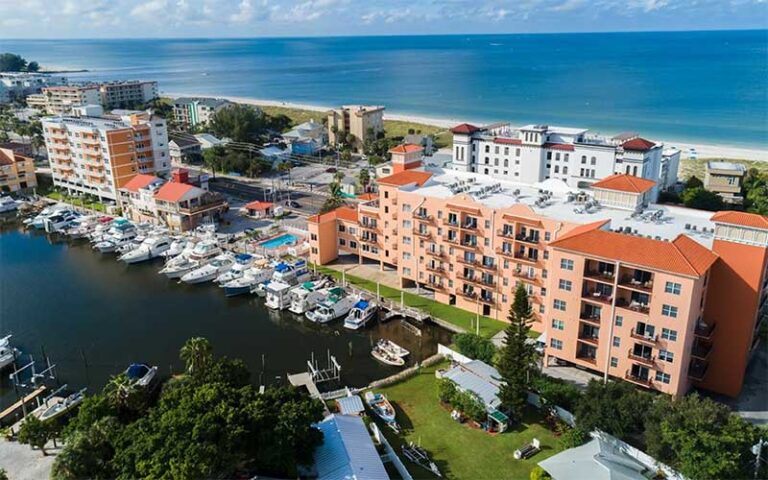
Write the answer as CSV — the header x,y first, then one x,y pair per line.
x,y
697,369
436,253
642,380
591,315
435,285
507,252
604,277
451,223
468,294
422,233
488,281
468,244
532,239
649,360
451,240
701,349
589,337
633,305
533,260
435,268
636,279
587,354
509,233
644,337
486,266
424,217
600,271
704,330
468,261
595,295
487,299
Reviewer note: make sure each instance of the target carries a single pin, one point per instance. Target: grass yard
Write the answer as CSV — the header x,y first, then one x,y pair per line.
x,y
461,318
696,167
460,451
77,201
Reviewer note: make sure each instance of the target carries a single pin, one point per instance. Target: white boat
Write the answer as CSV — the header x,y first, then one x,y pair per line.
x,y
202,253
380,406
140,375
60,221
306,296
335,305
105,228
7,204
386,357
63,406
38,221
392,348
243,262
362,312
291,273
210,270
151,247
7,353
123,234
247,282
180,246
82,226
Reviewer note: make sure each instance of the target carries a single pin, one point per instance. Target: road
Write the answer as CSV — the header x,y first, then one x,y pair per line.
x,y
310,202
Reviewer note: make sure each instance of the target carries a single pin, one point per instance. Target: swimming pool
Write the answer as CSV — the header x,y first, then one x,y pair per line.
x,y
278,242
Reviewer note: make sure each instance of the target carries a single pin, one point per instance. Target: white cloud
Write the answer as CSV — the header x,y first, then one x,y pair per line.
x,y
244,13
149,8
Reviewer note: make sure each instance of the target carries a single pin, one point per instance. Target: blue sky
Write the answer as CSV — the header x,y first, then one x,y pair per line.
x,y
257,18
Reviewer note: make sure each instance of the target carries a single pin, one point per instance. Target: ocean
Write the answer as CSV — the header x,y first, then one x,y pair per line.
x,y
706,87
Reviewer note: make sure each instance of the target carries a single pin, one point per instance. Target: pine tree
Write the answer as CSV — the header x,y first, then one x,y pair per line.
x,y
517,361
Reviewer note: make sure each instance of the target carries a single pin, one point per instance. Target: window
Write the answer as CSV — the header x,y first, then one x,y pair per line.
x,y
593,161
407,271
313,236
614,362
559,305
619,320
663,377
549,155
566,285
616,341
556,344
547,236
673,288
669,311
342,242
558,324
566,264
668,334
666,356
583,159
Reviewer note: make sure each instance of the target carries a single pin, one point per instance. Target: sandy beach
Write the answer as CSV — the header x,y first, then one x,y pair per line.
x,y
702,150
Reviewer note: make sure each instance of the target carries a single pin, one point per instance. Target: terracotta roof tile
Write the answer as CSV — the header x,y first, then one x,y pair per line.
x,y
743,219
173,191
508,141
681,256
625,183
368,197
559,146
342,213
638,145
465,128
406,148
405,178
139,181
258,205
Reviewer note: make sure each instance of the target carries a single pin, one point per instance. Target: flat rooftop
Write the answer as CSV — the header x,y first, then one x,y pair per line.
x,y
89,122
499,194
736,167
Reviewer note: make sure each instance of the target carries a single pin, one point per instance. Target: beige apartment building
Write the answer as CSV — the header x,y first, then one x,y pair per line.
x,y
61,100
361,121
725,179
98,155
17,171
619,286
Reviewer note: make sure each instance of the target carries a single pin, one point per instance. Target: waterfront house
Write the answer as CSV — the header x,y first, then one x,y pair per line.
x,y
17,171
306,138
179,206
347,451
725,179
483,381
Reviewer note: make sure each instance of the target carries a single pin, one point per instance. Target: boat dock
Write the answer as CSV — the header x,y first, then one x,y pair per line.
x,y
10,411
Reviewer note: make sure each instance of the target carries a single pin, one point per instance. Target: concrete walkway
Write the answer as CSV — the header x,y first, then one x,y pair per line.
x,y
23,463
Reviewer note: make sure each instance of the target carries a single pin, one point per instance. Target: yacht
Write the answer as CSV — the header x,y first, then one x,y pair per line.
x,y
305,296
38,221
7,204
243,262
81,226
292,274
209,270
151,247
335,305
106,230
178,246
7,353
124,234
278,295
361,314
60,221
250,279
202,253
140,375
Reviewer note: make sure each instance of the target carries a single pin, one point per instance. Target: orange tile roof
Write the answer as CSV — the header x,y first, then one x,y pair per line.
x,y
579,229
406,178
173,191
638,144
258,205
464,128
342,213
406,148
139,181
625,183
743,219
681,256
368,197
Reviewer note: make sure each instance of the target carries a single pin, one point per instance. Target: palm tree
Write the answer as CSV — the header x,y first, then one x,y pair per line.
x,y
118,390
197,354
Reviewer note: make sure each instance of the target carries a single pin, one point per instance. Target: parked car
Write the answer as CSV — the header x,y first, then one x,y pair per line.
x,y
292,204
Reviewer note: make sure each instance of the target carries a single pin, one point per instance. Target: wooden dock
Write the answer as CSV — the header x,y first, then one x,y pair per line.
x,y
13,408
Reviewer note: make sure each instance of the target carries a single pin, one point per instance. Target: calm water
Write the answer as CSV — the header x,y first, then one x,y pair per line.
x,y
71,301
705,86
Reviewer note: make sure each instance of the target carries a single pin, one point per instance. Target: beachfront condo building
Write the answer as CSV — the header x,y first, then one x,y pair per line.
x,y
127,94
17,85
534,153
61,100
358,122
665,297
190,112
725,179
99,154
17,171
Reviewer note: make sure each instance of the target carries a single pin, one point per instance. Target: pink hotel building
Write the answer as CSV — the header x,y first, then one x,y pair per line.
x,y
664,297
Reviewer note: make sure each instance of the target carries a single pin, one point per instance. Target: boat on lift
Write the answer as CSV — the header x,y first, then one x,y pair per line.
x,y
392,348
362,312
7,353
140,374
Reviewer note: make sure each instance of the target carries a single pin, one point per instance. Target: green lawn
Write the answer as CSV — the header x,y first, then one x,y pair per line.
x,y
461,318
77,201
460,451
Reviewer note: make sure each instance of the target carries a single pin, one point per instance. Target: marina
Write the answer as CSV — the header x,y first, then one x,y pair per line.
x,y
95,315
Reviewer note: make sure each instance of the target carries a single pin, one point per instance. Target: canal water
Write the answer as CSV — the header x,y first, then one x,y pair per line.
x,y
93,316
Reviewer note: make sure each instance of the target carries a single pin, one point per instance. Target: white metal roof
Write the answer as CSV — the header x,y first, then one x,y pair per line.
x,y
347,452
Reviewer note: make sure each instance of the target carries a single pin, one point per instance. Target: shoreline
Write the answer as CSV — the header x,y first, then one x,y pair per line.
x,y
703,150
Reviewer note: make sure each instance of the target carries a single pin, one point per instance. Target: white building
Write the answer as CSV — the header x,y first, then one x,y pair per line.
x,y
15,85
534,153
197,111
129,92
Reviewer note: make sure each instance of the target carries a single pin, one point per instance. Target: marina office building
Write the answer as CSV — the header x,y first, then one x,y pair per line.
x,y
664,297
97,154
534,153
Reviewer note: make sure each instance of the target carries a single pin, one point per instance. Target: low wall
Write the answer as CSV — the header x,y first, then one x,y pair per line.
x,y
408,372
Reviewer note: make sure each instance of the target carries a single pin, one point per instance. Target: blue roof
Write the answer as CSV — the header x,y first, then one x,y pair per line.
x,y
351,405
362,304
347,451
281,267
243,257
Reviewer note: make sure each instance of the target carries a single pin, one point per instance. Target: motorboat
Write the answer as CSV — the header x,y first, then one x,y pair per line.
x,y
123,234
38,221
291,273
60,221
380,406
392,348
362,312
250,279
7,204
386,357
81,227
7,353
243,262
335,305
202,253
151,247
62,406
102,229
306,296
179,246
278,295
210,270
140,374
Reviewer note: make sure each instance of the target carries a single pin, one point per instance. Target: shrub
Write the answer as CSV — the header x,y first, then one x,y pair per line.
x,y
539,473
475,346
557,392
446,390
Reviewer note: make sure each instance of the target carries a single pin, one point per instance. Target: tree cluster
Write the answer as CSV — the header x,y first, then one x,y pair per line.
x,y
475,346
227,159
245,123
208,423
462,401
755,191
11,62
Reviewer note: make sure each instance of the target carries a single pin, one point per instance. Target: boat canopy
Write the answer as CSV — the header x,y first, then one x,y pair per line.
x,y
243,257
281,267
336,293
308,286
362,304
137,370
